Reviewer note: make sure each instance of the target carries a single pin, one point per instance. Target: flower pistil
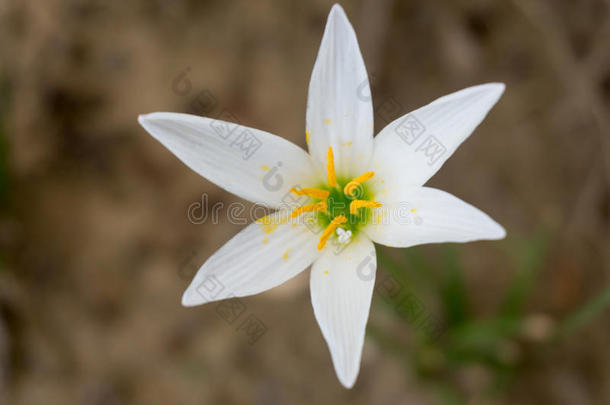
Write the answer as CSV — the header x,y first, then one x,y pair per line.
x,y
339,204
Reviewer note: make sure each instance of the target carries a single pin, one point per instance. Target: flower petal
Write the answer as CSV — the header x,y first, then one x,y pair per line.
x,y
416,145
262,256
341,290
339,106
252,164
427,215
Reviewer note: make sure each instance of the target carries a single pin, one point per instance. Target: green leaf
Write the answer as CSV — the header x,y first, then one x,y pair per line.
x,y
4,171
529,255
583,315
453,290
392,267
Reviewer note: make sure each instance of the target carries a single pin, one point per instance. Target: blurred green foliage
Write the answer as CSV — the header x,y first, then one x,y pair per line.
x,y
4,170
583,315
466,341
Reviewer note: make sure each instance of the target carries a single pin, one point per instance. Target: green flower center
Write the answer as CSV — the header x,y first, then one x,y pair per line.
x,y
338,203
343,206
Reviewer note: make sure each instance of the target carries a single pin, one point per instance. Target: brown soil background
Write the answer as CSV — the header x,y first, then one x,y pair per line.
x,y
96,247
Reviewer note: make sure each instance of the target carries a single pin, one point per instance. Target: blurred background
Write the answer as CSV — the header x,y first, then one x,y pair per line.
x,y
96,244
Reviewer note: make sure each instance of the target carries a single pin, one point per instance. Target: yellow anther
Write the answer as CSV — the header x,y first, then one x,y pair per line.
x,y
356,204
311,192
353,185
330,168
321,206
330,229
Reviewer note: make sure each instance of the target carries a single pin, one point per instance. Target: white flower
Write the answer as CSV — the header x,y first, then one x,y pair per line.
x,y
355,190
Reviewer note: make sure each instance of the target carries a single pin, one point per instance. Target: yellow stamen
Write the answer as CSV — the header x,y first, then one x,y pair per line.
x,y
356,204
311,192
330,229
330,168
321,206
353,185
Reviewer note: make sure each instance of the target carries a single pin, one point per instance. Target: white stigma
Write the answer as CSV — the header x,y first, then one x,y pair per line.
x,y
344,236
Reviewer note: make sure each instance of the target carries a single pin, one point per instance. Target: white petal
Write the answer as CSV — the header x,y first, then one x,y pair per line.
x,y
427,215
252,164
339,106
416,145
260,257
341,291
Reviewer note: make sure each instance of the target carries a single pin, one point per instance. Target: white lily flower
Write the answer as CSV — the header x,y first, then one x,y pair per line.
x,y
356,190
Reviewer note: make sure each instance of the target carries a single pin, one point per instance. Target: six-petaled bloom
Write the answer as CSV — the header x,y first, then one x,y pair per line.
x,y
350,190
